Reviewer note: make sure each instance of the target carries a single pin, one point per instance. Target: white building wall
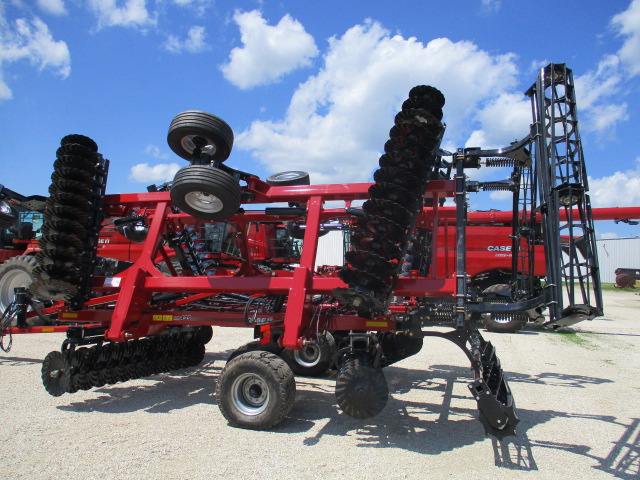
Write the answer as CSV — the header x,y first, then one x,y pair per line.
x,y
616,253
330,249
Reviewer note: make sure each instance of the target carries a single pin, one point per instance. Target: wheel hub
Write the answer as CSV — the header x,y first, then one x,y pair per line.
x,y
308,356
204,202
191,142
13,280
250,394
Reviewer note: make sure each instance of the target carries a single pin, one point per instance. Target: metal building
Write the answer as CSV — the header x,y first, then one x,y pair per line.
x,y
330,249
616,253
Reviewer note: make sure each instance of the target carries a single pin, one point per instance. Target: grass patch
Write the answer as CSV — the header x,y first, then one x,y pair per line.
x,y
612,287
583,340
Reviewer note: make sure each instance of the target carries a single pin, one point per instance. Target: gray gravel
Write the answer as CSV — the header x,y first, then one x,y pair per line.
x,y
576,395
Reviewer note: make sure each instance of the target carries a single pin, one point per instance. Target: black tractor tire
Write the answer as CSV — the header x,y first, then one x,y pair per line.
x,y
18,272
284,179
313,360
206,192
8,214
15,272
256,390
214,132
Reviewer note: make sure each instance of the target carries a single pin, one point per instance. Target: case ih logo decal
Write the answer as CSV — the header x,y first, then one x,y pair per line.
x,y
499,248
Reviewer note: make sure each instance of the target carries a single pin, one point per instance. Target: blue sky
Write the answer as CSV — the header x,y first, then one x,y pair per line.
x,y
309,85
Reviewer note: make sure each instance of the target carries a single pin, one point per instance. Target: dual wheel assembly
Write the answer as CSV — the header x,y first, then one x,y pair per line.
x,y
206,189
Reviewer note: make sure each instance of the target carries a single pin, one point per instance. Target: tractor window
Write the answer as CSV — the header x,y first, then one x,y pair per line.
x,y
285,245
221,238
30,225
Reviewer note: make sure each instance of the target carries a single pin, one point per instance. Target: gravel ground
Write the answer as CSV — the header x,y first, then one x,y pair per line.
x,y
576,394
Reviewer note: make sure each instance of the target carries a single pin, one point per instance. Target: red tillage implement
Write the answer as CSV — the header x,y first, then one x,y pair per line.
x,y
207,259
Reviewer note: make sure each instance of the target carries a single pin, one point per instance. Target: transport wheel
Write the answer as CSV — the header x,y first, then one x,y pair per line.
x,y
195,128
15,272
283,179
8,215
313,360
56,373
18,272
255,346
256,390
361,390
205,192
204,334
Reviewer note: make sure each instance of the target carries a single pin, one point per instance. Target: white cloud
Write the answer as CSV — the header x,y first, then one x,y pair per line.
x,y
194,43
491,5
130,13
55,7
596,88
622,189
604,118
154,151
338,121
32,41
593,91
501,196
627,24
161,172
268,52
503,120
197,7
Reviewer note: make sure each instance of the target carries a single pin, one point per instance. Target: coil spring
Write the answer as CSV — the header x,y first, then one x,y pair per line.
x,y
500,162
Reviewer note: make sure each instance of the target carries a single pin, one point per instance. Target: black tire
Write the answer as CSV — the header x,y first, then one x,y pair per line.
x,y
313,360
283,179
205,192
256,390
15,272
8,214
256,346
215,132
204,334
